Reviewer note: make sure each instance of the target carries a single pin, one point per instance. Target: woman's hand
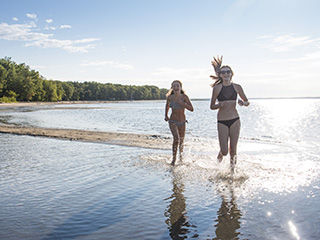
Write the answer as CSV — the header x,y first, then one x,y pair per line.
x,y
242,103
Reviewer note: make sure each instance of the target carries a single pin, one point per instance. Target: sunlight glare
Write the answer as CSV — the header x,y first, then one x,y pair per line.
x,y
293,230
286,115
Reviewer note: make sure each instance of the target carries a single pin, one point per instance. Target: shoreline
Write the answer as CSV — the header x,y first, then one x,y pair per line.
x,y
116,138
23,104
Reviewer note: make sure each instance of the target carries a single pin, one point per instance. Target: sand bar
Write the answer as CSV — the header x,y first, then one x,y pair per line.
x,y
116,138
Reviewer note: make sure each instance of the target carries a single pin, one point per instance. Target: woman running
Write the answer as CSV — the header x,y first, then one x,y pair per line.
x,y
178,101
226,92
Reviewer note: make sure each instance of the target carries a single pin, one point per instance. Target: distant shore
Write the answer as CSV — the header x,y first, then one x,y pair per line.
x,y
22,104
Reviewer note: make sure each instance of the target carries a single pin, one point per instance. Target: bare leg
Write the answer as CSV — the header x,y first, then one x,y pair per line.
x,y
234,137
182,131
175,133
223,134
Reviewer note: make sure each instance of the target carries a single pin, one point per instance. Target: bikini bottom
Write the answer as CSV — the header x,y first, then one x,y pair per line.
x,y
228,123
179,124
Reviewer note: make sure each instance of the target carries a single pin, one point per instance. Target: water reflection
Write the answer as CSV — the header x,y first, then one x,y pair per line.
x,y
228,221
176,213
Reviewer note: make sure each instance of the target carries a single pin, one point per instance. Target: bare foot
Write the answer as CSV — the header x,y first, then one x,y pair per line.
x,y
180,157
173,162
233,162
220,157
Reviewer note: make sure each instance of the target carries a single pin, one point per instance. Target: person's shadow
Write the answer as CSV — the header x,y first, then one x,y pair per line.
x,y
176,213
228,216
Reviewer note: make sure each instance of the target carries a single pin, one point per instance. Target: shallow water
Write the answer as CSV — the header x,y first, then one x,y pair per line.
x,y
55,189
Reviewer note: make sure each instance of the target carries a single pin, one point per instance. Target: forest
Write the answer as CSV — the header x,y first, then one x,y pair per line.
x,y
20,83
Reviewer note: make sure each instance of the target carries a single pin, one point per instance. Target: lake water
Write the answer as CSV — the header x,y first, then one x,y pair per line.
x,y
56,189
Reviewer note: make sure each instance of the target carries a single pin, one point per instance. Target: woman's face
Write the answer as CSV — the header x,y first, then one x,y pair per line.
x,y
226,73
176,86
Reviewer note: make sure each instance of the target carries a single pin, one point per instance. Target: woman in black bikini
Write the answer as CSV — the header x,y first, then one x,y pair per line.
x,y
178,101
228,119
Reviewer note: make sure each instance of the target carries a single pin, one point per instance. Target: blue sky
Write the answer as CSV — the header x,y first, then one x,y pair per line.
x,y
273,46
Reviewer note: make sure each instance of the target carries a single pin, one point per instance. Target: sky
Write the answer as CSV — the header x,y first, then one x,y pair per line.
x,y
272,46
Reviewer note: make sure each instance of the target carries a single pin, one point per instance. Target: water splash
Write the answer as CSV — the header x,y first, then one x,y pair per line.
x,y
273,167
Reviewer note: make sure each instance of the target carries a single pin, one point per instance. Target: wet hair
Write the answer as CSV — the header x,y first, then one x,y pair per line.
x,y
217,65
171,90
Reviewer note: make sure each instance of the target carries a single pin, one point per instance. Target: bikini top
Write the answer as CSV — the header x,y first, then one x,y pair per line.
x,y
175,105
227,93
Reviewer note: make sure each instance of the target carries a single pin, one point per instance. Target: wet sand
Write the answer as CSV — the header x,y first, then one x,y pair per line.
x,y
117,138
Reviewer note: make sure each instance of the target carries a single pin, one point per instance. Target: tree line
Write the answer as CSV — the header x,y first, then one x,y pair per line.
x,y
20,83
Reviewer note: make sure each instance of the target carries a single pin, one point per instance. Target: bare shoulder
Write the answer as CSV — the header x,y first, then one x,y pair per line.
x,y
185,96
217,88
237,87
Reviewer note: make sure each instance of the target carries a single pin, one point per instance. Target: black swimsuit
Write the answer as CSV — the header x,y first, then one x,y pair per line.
x,y
228,93
228,123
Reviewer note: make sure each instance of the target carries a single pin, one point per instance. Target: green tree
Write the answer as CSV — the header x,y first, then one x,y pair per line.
x,y
51,91
3,79
40,93
19,82
28,89
68,90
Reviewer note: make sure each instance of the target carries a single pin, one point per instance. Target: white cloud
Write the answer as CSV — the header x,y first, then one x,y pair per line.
x,y
25,33
49,20
86,40
65,26
109,64
285,42
124,49
68,45
20,32
15,19
49,28
32,16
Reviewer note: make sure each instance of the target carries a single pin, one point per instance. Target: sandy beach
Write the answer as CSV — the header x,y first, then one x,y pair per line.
x,y
117,138
123,139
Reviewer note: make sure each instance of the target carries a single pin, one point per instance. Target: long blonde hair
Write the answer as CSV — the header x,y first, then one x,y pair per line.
x,y
171,90
217,65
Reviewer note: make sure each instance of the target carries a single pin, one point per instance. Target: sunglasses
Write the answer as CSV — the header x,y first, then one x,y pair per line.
x,y
225,72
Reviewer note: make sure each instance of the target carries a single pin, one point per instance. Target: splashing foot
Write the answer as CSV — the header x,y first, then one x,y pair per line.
x,y
220,157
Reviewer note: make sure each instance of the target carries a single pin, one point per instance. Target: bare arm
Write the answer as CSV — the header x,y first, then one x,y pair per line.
x,y
166,118
215,93
244,101
187,103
